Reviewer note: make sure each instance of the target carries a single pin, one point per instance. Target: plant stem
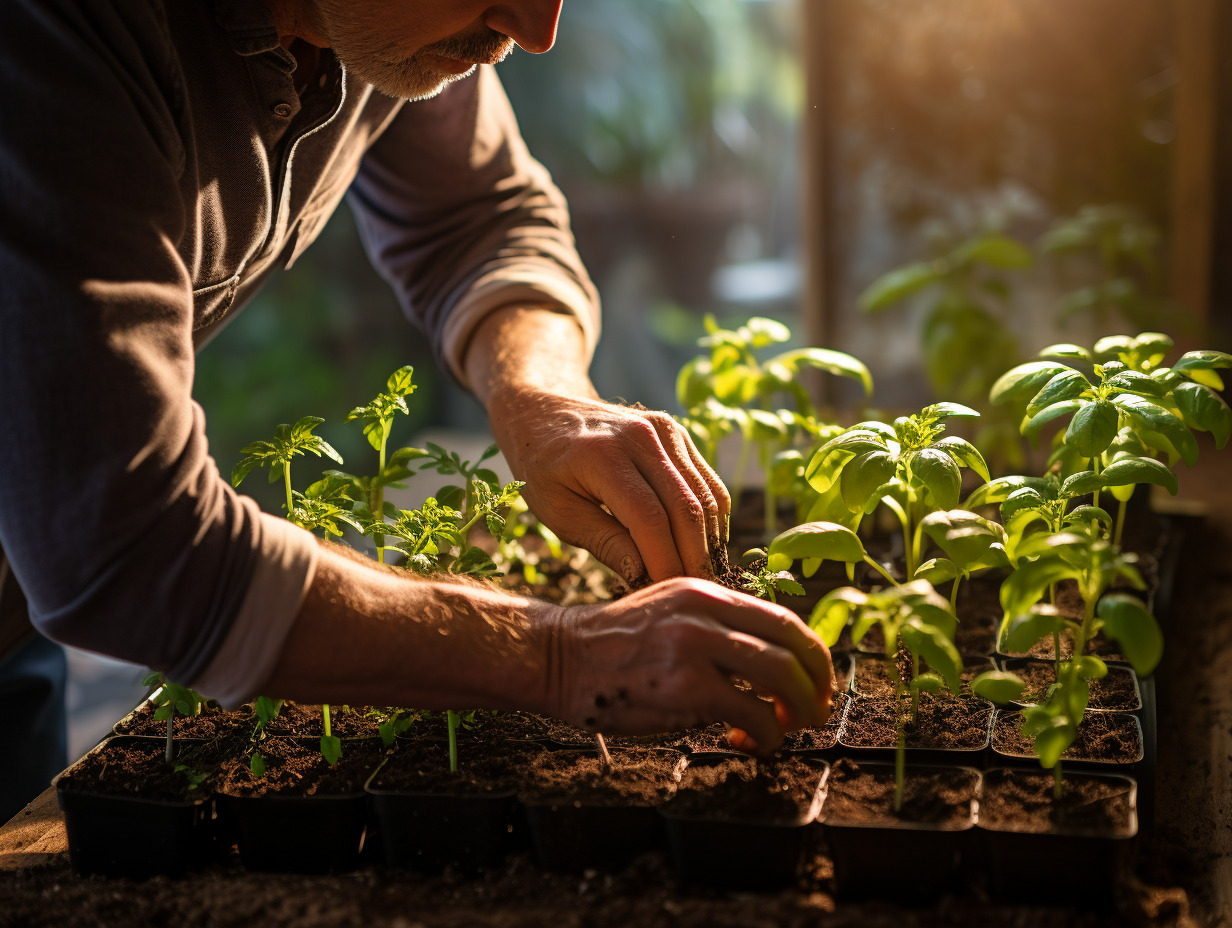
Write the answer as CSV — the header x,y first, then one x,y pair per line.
x,y
325,719
1122,505
881,570
452,718
378,494
286,479
954,593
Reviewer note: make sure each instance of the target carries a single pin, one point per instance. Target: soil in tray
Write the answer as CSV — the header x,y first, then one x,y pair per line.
x,y
295,767
212,723
637,777
1070,605
1109,737
483,767
1115,691
140,768
571,736
1022,801
871,678
943,723
714,737
738,788
864,794
483,725
305,721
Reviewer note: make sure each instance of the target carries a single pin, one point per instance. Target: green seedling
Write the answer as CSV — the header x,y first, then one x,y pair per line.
x,y
908,466
731,390
765,582
276,454
913,618
814,543
970,542
169,699
965,336
266,709
1086,557
1126,248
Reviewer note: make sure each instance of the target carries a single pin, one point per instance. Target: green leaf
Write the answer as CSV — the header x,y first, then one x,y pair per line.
x,y
863,476
833,362
331,749
257,764
1134,629
948,411
1088,667
898,284
400,382
937,471
1202,360
1204,409
1065,352
1081,483
927,642
928,683
1031,426
995,250
1065,385
1000,489
1135,382
242,470
1019,384
1025,629
1132,470
1054,740
998,686
1154,418
832,612
1092,429
936,571
964,453
825,540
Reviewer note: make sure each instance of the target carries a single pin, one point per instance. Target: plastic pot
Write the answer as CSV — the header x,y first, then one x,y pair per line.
x,y
913,855
130,835
1007,722
1051,857
594,828
730,848
855,743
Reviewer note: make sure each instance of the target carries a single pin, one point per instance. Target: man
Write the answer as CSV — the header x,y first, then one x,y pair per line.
x,y
159,161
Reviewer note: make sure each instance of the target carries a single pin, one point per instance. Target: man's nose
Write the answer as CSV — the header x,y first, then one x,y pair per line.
x,y
530,23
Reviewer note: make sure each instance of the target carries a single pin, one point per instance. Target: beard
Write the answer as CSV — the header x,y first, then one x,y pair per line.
x,y
370,56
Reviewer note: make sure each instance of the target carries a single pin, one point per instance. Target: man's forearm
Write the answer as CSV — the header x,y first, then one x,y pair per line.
x,y
377,636
527,349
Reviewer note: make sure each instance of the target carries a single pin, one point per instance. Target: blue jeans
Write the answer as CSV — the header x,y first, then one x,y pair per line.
x,y
32,717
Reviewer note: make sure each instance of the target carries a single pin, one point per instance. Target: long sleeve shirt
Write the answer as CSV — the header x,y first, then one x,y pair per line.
x,y
156,166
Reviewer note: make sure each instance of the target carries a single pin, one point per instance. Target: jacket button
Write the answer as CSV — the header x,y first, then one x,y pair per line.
x,y
282,109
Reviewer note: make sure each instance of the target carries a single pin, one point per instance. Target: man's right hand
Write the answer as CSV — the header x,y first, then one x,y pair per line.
x,y
667,657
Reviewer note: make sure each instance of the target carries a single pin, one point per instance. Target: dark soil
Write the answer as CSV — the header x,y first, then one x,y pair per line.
x,y
138,767
213,722
740,788
483,725
1103,737
864,793
871,679
715,738
1118,690
305,721
951,724
483,767
1070,604
295,767
571,736
636,777
1022,801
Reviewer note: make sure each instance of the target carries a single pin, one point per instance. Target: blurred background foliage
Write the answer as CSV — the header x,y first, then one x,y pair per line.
x,y
675,127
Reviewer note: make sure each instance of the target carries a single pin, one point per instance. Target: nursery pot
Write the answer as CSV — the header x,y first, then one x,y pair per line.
x,y
294,832
1121,678
131,835
469,820
868,731
913,855
722,842
1008,749
591,825
1072,853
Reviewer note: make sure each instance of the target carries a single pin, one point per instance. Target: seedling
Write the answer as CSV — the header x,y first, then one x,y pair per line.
x,y
971,544
1086,557
276,454
730,389
169,699
912,617
965,339
908,466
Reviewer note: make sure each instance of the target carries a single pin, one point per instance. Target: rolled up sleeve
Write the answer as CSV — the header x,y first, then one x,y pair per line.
x,y
117,523
461,220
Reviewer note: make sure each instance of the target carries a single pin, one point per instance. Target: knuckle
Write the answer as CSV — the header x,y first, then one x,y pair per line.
x,y
691,511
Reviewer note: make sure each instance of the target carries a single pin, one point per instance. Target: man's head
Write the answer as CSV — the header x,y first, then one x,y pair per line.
x,y
413,48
